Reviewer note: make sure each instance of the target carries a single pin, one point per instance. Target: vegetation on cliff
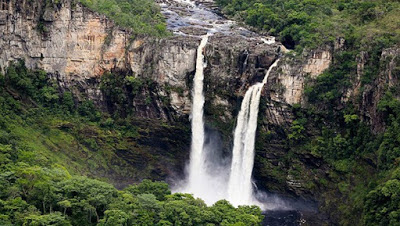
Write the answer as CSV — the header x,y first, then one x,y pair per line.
x,y
75,134
364,160
364,164
47,142
142,16
313,23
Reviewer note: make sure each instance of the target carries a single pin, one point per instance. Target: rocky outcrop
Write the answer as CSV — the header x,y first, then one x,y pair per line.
x,y
287,84
317,62
67,40
371,94
77,46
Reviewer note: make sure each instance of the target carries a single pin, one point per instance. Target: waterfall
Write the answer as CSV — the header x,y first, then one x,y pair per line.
x,y
240,191
209,182
197,175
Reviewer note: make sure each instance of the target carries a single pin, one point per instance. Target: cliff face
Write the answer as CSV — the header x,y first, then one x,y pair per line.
x,y
77,46
387,77
65,39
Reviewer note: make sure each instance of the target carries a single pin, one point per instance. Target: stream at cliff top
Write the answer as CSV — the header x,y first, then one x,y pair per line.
x,y
209,176
188,18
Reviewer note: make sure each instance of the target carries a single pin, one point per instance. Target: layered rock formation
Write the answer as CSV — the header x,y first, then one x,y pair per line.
x,y
77,46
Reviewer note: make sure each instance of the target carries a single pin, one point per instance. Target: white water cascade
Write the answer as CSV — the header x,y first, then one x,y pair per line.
x,y
240,190
198,178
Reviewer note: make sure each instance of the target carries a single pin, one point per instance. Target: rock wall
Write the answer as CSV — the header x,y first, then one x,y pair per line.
x,y
367,99
65,39
77,46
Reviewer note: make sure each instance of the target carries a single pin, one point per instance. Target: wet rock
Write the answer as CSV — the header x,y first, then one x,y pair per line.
x,y
193,31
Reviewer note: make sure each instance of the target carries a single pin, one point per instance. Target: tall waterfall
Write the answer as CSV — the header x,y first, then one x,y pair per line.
x,y
210,182
240,190
197,175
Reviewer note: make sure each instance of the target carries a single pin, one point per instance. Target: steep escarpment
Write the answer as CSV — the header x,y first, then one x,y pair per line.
x,y
333,137
87,55
77,46
319,115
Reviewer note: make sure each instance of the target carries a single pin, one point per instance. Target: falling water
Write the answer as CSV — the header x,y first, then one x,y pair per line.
x,y
197,174
240,190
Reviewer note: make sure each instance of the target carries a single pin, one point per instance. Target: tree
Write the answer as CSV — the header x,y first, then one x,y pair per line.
x,y
159,189
114,218
382,204
52,219
89,198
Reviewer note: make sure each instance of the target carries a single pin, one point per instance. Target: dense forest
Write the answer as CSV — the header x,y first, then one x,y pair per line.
x,y
312,23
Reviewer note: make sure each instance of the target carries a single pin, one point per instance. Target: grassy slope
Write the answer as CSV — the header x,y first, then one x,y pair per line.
x,y
85,141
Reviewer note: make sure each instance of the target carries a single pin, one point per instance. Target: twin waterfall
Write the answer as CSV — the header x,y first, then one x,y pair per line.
x,y
206,182
197,175
240,190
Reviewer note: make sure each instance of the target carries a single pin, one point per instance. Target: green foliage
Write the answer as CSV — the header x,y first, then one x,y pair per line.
x,y
61,200
328,88
134,83
53,219
87,109
35,84
158,189
119,89
113,87
143,16
312,23
297,131
68,102
382,204
389,149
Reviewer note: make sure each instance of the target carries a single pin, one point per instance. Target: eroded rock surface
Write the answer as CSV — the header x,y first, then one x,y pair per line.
x,y
77,47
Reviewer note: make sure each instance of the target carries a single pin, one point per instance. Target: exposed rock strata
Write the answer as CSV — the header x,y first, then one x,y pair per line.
x,y
77,46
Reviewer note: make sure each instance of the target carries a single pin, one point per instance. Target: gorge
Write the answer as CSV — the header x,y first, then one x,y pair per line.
x,y
214,108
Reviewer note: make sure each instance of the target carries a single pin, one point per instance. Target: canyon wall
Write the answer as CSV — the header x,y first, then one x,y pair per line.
x,y
77,47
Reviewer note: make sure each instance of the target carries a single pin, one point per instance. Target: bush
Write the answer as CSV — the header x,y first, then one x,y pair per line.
x,y
143,16
382,204
87,109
